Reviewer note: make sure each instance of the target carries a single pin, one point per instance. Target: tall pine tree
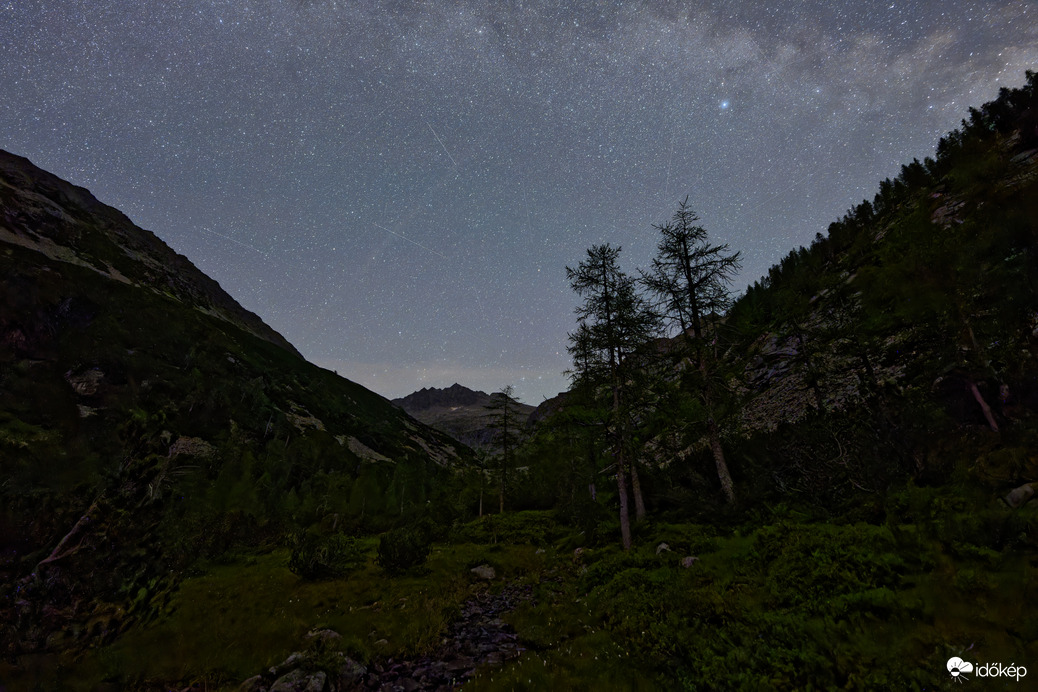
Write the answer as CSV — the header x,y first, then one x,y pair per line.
x,y
691,280
614,322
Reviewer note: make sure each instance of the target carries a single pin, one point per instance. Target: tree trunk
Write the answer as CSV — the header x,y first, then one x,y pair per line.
x,y
984,406
722,466
869,372
60,551
715,438
625,516
812,373
636,489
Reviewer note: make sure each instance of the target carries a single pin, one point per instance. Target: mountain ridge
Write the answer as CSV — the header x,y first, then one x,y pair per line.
x,y
41,212
460,412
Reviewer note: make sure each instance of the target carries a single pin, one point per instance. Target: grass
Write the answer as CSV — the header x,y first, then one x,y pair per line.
x,y
794,604
232,621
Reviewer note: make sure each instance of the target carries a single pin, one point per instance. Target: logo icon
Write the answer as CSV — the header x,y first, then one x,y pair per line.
x,y
958,668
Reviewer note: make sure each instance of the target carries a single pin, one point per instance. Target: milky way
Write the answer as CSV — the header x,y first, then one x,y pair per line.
x,y
397,187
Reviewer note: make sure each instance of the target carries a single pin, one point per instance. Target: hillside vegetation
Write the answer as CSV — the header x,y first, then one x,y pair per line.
x,y
148,421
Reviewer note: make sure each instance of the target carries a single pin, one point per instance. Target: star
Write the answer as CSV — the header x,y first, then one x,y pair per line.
x,y
392,189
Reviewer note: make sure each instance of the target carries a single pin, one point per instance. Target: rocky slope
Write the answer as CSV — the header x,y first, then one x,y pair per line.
x,y
809,363
856,360
67,224
814,362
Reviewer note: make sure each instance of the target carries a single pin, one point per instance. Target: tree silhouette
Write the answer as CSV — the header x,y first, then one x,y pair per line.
x,y
614,323
690,279
503,416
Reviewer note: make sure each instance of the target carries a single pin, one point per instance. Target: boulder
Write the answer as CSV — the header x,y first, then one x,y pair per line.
x,y
350,674
484,572
300,680
192,447
293,661
688,561
1019,497
253,684
85,383
324,639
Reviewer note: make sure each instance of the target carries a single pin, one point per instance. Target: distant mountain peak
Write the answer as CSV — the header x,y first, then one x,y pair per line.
x,y
433,397
458,411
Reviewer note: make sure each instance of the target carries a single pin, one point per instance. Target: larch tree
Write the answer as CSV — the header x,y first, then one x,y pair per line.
x,y
614,322
504,417
691,280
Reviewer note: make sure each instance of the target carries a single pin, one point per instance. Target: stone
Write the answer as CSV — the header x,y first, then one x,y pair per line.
x,y
350,674
484,572
1019,497
300,680
324,639
688,561
662,547
317,682
193,447
85,383
293,661
253,684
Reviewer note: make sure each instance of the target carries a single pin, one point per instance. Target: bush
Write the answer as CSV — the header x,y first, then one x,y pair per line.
x,y
809,564
402,549
324,557
514,528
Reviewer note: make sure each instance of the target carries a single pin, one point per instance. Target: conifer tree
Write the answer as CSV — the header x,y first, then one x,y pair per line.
x,y
614,322
691,280
504,417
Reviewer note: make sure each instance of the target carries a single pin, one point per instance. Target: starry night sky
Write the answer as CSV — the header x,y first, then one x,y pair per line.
x,y
397,187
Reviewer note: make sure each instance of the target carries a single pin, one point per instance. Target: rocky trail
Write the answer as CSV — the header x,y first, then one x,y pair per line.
x,y
478,637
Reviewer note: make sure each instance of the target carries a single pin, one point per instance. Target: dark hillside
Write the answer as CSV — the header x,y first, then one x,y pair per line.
x,y
147,421
916,311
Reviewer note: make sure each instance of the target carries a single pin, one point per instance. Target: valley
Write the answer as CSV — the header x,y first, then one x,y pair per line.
x,y
823,482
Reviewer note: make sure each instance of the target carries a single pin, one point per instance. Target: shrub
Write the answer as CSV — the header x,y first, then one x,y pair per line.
x,y
324,557
528,527
402,549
